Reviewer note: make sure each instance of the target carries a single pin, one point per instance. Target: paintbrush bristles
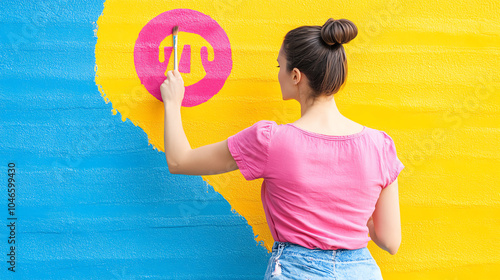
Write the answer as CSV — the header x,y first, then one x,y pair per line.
x,y
175,30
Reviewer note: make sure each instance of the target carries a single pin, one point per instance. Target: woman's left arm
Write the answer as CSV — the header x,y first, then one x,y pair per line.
x,y
181,159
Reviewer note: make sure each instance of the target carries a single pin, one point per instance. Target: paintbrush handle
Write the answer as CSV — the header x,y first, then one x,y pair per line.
x,y
175,52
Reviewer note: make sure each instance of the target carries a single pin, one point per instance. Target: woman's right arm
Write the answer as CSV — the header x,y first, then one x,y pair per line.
x,y
385,224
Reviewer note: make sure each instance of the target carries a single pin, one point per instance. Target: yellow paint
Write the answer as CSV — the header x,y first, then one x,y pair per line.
x,y
424,72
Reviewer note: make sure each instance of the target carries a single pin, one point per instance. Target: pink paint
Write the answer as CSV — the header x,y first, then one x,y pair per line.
x,y
152,73
167,52
185,62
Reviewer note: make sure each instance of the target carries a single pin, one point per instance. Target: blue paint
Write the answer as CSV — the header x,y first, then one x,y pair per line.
x,y
94,200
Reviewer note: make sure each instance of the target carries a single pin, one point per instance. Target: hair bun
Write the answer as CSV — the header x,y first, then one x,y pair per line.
x,y
338,31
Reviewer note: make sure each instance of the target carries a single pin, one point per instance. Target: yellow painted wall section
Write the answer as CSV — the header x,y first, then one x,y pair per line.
x,y
426,72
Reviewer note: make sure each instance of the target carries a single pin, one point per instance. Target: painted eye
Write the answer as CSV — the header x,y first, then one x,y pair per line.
x,y
278,66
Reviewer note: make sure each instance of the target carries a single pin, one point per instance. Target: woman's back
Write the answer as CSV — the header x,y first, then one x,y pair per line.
x,y
319,190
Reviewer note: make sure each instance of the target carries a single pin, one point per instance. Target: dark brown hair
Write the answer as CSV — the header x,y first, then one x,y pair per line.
x,y
317,51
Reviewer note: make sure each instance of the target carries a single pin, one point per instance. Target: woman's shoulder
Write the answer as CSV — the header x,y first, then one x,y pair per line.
x,y
380,137
268,125
265,128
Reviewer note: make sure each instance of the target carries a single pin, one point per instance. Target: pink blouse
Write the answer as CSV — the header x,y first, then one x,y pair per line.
x,y
318,190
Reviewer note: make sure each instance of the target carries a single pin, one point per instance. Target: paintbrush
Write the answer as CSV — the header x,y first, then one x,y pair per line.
x,y
174,35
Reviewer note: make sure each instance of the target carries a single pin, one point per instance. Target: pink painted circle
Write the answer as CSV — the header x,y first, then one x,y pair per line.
x,y
151,71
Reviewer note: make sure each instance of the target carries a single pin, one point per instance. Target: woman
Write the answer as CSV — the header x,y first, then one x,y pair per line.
x,y
328,181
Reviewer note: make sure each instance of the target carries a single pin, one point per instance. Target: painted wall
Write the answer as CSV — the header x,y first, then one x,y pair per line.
x,y
81,120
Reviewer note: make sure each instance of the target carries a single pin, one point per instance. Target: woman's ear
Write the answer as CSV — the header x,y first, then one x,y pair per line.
x,y
296,76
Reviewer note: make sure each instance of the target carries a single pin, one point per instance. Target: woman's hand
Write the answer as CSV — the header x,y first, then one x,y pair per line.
x,y
172,89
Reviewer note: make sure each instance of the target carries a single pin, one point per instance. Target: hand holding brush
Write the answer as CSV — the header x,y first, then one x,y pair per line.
x,y
172,89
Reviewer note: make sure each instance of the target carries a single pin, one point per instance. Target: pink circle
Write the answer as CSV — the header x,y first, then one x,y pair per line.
x,y
151,71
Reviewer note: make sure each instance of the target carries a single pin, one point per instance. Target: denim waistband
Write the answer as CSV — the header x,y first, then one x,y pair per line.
x,y
339,255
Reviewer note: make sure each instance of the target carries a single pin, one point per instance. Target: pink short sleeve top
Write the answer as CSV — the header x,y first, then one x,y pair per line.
x,y
318,190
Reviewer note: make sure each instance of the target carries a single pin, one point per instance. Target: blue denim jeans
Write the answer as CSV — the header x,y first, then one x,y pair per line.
x,y
292,261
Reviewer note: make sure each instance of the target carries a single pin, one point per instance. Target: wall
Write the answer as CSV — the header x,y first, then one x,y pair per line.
x,y
82,122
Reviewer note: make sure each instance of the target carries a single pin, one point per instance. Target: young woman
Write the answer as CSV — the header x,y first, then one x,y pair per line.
x,y
328,181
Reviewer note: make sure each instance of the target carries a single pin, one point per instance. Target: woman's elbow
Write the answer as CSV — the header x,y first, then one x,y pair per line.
x,y
393,249
173,168
393,246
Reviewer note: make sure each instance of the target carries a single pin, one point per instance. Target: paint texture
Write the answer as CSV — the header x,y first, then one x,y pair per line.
x,y
81,117
94,200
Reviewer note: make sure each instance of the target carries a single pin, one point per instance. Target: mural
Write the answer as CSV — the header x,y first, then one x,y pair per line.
x,y
81,121
196,30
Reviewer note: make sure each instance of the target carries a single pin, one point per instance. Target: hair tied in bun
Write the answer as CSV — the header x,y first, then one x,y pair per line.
x,y
339,31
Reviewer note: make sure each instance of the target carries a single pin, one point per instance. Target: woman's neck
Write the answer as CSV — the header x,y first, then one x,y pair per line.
x,y
323,108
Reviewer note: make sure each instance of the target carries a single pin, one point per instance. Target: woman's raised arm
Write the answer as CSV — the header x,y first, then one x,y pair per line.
x,y
206,160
